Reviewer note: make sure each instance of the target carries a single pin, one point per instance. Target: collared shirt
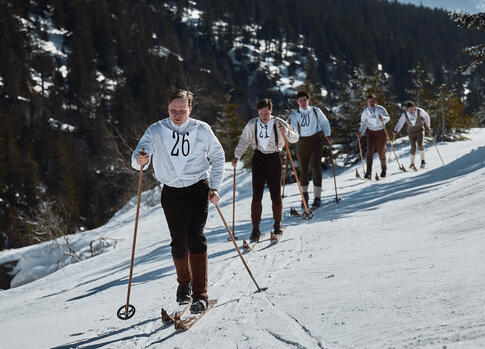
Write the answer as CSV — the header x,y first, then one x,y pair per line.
x,y
182,155
370,118
413,118
305,121
248,137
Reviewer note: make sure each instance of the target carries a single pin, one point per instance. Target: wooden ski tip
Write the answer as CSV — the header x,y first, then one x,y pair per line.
x,y
165,317
403,168
245,245
377,177
357,175
179,324
294,212
273,237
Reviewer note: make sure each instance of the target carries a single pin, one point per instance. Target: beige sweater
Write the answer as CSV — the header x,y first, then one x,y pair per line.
x,y
248,137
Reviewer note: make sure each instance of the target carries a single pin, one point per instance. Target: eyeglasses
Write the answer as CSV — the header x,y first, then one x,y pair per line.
x,y
178,112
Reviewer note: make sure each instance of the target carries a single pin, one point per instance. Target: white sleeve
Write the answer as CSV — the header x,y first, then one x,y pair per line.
x,y
291,135
244,141
385,116
426,117
146,142
293,120
325,123
215,154
400,123
363,123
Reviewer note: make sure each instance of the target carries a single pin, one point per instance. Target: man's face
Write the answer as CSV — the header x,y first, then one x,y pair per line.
x,y
264,114
411,110
371,102
303,102
179,110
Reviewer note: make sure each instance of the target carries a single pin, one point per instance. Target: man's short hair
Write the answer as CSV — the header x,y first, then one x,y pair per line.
x,y
410,104
265,102
302,94
371,95
182,94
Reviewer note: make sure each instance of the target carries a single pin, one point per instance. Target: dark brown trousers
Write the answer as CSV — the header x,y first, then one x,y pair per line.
x,y
376,142
266,169
416,136
309,151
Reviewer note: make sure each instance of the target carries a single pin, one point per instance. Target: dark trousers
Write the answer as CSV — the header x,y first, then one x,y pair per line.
x,y
309,151
416,135
376,141
266,169
186,213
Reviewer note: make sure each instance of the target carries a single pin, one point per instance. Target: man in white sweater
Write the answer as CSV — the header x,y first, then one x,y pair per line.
x,y
416,119
372,122
265,135
309,122
189,160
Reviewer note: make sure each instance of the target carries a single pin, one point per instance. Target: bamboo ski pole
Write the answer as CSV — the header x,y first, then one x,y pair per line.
x,y
361,156
238,251
284,176
127,311
432,139
392,147
308,214
333,170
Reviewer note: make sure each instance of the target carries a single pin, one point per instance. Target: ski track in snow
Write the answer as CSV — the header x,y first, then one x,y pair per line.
x,y
397,263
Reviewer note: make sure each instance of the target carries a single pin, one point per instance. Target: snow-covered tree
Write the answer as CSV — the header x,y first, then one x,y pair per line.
x,y
469,21
422,81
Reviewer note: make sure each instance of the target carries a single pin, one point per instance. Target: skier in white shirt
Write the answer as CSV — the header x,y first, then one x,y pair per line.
x,y
265,135
416,119
372,122
310,122
188,160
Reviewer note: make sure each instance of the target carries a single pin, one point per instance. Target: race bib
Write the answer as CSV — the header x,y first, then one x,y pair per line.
x,y
179,146
264,133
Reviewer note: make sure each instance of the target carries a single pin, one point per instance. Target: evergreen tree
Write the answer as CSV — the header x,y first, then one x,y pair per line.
x,y
228,127
468,21
448,115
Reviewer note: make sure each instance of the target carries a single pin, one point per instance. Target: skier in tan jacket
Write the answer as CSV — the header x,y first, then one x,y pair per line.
x,y
265,135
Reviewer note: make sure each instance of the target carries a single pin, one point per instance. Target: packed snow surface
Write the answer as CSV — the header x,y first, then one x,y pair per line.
x,y
397,263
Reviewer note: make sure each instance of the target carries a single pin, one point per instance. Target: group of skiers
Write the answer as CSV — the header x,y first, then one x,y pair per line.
x,y
188,160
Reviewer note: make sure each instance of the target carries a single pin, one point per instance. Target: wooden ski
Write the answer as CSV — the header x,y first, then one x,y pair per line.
x,y
184,325
169,318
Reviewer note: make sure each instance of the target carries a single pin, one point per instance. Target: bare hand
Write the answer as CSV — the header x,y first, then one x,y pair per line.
x,y
358,134
282,129
234,162
214,197
142,158
329,140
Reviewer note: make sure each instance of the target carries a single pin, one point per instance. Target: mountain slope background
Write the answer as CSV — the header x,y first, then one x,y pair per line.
x,y
81,80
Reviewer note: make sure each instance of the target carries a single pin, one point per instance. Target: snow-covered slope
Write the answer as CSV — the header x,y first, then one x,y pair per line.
x,y
397,263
